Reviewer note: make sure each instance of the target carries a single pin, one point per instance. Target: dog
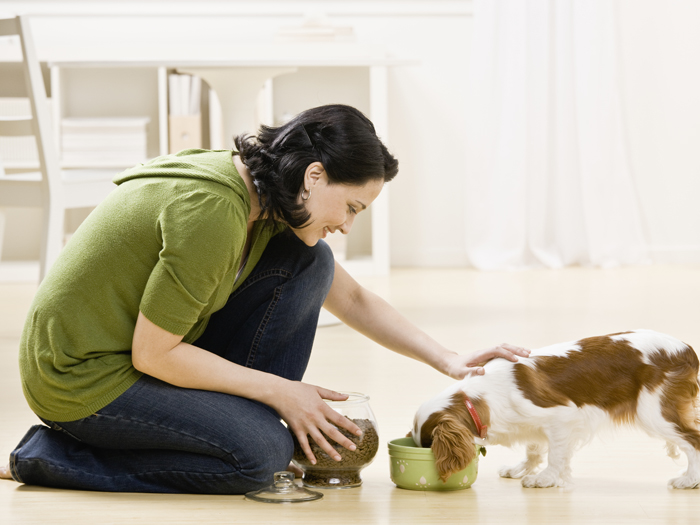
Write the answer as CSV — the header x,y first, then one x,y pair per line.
x,y
558,398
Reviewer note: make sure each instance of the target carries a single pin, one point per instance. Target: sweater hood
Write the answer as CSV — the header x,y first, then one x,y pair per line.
x,y
216,166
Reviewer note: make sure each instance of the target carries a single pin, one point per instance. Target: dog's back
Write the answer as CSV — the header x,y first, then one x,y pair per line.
x,y
613,373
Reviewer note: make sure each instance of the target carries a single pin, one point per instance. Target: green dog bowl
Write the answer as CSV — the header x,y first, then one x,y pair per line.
x,y
413,468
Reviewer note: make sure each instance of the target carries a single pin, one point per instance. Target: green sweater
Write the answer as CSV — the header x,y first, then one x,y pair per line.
x,y
166,242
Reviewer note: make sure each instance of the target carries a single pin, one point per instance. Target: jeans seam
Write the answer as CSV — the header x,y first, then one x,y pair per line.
x,y
176,431
261,328
278,272
58,428
116,476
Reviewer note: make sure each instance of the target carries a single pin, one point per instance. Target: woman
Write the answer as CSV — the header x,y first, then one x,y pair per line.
x,y
172,333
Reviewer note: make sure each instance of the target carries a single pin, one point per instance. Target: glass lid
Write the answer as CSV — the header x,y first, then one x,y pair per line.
x,y
284,490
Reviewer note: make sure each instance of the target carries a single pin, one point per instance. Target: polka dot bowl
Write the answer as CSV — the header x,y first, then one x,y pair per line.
x,y
413,468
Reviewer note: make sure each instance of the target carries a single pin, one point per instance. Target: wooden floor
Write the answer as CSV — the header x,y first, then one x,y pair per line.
x,y
619,479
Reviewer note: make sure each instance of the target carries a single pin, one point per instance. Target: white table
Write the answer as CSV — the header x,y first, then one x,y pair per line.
x,y
238,76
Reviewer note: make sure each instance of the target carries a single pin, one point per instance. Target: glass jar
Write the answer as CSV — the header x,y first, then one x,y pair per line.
x,y
329,473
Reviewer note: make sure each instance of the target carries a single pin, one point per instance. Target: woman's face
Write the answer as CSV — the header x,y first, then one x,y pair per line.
x,y
333,207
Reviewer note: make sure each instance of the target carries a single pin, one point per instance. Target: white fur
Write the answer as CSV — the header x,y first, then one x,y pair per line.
x,y
648,341
554,434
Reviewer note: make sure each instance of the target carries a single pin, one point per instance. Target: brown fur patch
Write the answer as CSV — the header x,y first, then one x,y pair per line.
x,y
459,410
453,445
680,391
450,434
426,431
605,373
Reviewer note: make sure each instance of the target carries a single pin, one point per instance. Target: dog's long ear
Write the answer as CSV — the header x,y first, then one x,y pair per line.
x,y
453,446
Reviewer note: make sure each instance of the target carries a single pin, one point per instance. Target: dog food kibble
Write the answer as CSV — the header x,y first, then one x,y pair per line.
x,y
345,473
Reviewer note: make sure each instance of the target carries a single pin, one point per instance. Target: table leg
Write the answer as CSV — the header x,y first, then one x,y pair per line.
x,y
237,90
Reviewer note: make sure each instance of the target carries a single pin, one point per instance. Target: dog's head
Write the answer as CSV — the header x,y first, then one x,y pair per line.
x,y
445,425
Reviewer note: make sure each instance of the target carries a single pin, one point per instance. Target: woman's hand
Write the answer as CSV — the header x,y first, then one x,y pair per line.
x,y
164,356
460,366
306,414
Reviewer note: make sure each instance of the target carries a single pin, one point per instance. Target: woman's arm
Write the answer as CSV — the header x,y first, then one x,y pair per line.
x,y
373,317
163,355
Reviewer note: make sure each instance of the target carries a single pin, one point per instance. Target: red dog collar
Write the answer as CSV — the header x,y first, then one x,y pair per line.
x,y
481,429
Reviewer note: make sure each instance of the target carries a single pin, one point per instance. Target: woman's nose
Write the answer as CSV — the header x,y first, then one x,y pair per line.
x,y
347,225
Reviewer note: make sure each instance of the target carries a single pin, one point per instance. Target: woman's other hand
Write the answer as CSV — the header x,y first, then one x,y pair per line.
x,y
307,415
460,366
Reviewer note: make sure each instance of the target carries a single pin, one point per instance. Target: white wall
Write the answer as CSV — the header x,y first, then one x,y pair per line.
x,y
660,52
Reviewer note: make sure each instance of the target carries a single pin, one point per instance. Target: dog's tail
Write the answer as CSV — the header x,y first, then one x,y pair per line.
x,y
680,402
696,407
672,450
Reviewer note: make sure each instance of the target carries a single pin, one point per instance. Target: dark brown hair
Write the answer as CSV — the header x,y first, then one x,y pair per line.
x,y
340,137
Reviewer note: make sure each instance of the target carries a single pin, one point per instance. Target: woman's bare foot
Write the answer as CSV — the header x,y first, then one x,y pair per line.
x,y
5,472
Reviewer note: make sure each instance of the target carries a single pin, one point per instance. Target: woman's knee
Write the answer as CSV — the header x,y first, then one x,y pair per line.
x,y
315,265
269,452
324,262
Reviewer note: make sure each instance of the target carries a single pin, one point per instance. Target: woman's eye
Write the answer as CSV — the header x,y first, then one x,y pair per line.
x,y
353,211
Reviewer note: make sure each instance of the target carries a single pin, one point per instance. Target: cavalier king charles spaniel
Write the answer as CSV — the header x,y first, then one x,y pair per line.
x,y
555,400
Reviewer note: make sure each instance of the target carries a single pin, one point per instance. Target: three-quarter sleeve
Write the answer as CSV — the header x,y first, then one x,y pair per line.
x,y
201,237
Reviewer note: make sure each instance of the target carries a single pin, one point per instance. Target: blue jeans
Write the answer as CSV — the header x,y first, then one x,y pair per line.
x,y
157,437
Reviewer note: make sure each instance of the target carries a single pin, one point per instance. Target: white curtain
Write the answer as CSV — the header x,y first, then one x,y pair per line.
x,y
549,180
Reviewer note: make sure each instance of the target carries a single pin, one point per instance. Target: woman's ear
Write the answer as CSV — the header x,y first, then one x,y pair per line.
x,y
453,446
313,174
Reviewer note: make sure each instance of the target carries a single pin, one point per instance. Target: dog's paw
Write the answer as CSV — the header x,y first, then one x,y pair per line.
x,y
542,480
513,472
685,482
525,467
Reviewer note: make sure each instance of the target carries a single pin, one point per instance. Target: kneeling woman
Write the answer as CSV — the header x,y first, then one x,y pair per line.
x,y
172,333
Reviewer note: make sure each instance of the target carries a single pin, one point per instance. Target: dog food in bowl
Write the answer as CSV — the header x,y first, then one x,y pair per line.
x,y
413,467
329,473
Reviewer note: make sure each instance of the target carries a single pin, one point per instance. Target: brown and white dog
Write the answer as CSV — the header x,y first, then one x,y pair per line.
x,y
555,401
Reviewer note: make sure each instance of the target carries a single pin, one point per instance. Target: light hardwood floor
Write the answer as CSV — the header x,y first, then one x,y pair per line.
x,y
620,478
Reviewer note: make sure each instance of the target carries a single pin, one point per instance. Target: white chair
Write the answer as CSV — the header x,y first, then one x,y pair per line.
x,y
50,189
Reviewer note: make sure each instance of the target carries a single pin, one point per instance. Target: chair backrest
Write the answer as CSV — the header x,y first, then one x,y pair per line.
x,y
38,124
